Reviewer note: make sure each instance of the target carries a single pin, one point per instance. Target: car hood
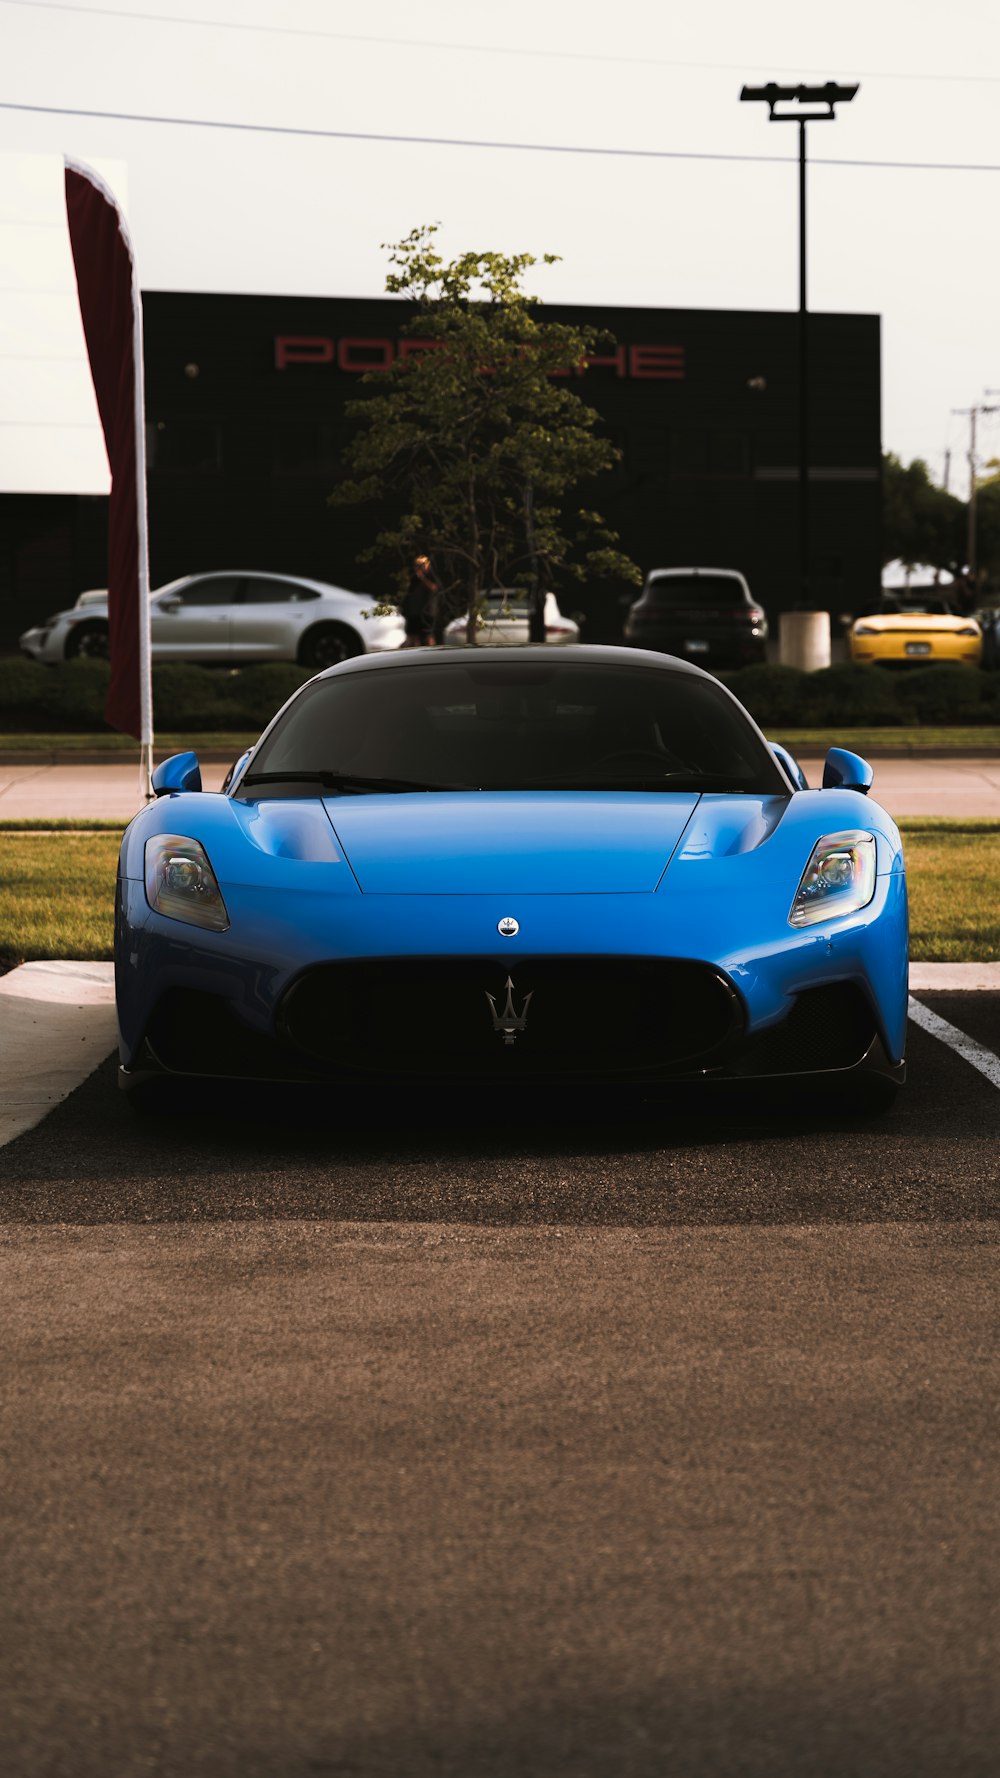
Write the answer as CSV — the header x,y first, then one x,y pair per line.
x,y
510,842
79,613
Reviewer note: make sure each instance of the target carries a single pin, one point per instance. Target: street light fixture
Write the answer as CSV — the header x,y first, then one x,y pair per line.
x,y
791,104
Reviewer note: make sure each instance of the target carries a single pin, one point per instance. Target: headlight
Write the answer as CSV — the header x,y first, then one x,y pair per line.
x,y
181,883
865,630
839,879
968,630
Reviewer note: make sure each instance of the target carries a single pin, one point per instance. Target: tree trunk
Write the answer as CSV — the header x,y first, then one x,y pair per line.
x,y
474,572
536,621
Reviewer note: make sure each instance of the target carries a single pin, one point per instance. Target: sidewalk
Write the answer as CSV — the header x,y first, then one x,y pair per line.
x,y
958,788
104,792
57,1024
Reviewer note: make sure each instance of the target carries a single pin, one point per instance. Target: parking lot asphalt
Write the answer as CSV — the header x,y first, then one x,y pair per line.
x,y
931,786
467,1444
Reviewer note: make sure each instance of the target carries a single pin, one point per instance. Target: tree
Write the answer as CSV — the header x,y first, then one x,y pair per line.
x,y
920,522
474,436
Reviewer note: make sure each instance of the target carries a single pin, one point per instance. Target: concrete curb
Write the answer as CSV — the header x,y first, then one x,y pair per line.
x,y
57,1024
119,757
954,978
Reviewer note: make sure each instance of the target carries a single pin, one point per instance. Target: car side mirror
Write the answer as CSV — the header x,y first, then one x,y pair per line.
x,y
180,772
173,604
847,771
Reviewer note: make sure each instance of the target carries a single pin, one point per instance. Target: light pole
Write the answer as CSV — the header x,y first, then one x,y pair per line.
x,y
972,566
799,98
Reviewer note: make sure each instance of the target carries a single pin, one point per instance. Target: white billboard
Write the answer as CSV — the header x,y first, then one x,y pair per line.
x,y
50,431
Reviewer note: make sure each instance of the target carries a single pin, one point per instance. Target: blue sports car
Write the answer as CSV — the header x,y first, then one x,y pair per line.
x,y
525,866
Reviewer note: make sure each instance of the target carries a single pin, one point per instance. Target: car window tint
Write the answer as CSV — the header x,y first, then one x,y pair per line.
x,y
219,590
501,604
915,606
260,591
522,726
693,589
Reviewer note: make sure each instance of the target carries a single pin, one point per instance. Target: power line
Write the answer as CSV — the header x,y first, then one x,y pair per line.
x,y
464,48
669,154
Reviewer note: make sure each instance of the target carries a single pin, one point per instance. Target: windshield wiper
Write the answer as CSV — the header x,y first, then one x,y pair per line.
x,y
342,781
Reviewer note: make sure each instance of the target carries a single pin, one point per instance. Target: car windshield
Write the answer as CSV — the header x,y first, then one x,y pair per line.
x,y
929,607
499,604
512,725
693,589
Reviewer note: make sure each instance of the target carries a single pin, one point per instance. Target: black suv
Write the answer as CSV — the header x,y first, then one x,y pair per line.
x,y
703,614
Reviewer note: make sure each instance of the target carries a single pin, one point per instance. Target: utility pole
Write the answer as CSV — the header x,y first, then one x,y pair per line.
x,y
798,98
972,568
973,413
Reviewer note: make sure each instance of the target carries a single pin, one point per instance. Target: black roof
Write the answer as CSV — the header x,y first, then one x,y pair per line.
x,y
588,654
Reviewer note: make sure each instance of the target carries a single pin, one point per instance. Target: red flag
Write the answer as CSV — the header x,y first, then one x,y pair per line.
x,y
111,308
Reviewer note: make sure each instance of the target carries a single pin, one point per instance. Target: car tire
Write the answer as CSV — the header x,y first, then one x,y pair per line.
x,y
328,644
88,641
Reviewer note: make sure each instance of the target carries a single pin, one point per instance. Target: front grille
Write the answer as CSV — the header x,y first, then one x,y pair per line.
x,y
565,1017
828,1027
588,1018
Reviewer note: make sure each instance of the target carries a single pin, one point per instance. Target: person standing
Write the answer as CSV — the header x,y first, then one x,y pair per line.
x,y
419,605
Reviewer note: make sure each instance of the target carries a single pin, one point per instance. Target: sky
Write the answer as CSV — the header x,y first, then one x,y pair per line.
x,y
660,222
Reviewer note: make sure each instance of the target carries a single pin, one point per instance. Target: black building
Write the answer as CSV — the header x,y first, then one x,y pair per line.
x,y
245,407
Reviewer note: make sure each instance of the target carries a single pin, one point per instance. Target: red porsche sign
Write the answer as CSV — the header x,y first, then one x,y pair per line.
x,y
665,363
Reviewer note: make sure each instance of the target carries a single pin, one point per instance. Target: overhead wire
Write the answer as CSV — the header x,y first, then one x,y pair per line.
x,y
674,154
464,47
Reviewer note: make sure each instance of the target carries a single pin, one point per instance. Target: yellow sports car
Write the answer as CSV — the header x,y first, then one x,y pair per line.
x,y
917,633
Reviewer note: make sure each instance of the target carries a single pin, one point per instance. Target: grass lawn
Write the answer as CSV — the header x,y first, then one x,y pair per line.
x,y
57,894
812,741
106,742
952,871
984,739
57,890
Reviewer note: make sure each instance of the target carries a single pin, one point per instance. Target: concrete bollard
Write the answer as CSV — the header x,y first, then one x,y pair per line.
x,y
804,640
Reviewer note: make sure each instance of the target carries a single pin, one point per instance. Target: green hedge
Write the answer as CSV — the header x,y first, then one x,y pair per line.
x,y
69,698
850,696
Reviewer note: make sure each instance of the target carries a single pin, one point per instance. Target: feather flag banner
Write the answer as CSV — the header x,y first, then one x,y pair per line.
x,y
111,309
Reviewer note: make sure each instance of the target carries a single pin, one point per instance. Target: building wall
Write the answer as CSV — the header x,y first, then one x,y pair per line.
x,y
245,405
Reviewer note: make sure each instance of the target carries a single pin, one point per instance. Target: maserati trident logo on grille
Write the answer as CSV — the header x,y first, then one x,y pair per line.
x,y
508,927
507,1021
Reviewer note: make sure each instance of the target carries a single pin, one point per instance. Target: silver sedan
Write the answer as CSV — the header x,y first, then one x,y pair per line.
x,y
505,618
231,617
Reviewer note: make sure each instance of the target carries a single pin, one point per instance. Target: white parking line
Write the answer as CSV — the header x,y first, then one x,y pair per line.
x,y
966,1047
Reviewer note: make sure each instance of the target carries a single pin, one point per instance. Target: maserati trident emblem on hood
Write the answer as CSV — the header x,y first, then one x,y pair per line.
x,y
507,1021
508,926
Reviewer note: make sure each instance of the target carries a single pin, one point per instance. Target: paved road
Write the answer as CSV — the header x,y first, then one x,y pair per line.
x,y
932,786
607,1446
